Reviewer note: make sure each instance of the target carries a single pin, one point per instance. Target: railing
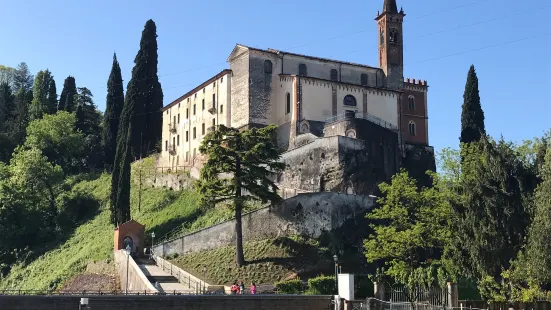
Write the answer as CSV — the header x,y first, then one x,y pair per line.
x,y
172,127
172,149
211,128
211,107
89,293
354,114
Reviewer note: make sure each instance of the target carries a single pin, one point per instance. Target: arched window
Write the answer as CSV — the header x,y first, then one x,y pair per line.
x,y
288,104
411,102
412,129
364,79
393,36
267,66
349,100
302,70
334,75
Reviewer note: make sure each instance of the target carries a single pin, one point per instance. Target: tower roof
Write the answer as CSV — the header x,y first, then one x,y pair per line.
x,y
390,6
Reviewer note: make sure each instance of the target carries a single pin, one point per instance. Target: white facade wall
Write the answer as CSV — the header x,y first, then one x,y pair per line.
x,y
182,114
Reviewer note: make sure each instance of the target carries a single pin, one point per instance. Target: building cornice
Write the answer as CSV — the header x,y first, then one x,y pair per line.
x,y
202,85
330,83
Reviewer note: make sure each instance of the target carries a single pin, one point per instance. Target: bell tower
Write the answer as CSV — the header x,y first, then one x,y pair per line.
x,y
391,47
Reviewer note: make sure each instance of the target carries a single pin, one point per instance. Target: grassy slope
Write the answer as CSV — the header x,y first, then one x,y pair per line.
x,y
268,261
161,211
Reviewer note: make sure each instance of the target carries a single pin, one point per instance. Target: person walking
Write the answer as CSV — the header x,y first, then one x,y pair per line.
x,y
253,289
234,289
241,288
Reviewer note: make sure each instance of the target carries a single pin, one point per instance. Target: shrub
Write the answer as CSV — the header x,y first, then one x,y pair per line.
x,y
322,285
290,286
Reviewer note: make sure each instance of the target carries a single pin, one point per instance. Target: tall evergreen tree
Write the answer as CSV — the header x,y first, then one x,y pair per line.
x,y
113,107
43,95
20,121
472,116
250,157
22,78
145,91
52,97
88,121
6,106
66,99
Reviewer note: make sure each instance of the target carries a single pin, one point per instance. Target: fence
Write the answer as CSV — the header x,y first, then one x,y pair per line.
x,y
377,304
433,296
90,293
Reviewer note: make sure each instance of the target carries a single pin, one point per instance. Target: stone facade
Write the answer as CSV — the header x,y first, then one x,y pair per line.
x,y
306,214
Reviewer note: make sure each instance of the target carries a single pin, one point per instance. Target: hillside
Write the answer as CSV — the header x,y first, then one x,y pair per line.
x,y
161,211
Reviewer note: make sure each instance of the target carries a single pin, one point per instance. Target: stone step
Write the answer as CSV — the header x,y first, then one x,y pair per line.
x,y
164,279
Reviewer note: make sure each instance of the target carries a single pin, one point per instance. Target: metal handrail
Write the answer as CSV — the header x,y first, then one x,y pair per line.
x,y
369,117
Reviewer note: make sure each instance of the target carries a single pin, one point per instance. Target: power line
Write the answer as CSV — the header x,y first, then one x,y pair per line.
x,y
421,61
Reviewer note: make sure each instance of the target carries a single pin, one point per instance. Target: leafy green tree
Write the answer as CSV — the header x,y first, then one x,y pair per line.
x,y
472,116
22,79
44,95
491,212
144,90
6,74
113,109
249,157
67,97
410,234
55,136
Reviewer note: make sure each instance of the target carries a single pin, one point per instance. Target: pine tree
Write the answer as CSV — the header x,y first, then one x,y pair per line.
x,y
66,99
22,102
22,78
113,107
250,156
88,121
472,116
6,106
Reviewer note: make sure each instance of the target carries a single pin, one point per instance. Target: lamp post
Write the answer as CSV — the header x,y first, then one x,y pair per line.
x,y
127,251
152,244
204,278
336,259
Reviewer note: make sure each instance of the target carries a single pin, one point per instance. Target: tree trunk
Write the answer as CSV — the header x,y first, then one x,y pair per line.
x,y
238,210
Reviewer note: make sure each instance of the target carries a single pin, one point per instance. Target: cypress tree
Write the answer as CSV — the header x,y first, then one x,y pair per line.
x,y
146,94
6,106
66,99
20,121
113,107
52,96
39,95
472,116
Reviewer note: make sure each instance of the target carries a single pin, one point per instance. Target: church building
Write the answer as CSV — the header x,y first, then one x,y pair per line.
x,y
371,110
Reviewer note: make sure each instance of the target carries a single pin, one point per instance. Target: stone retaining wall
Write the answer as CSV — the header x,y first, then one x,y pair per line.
x,y
137,281
309,215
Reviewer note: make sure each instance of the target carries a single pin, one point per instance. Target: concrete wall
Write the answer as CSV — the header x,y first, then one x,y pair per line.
x,y
197,302
137,281
306,214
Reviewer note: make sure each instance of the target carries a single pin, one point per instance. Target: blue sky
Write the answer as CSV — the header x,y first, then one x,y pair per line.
x,y
508,41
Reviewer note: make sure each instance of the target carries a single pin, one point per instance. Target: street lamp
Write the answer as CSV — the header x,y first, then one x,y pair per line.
x,y
336,259
204,278
127,251
152,243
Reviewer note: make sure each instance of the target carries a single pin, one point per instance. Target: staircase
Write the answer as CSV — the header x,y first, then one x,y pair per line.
x,y
166,283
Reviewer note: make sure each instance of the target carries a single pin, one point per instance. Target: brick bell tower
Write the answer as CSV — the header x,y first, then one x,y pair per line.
x,y
391,47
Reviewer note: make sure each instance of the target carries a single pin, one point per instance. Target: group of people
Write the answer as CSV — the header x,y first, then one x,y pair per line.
x,y
239,288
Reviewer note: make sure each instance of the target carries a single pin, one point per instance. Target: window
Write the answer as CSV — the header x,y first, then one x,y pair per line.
x,y
214,84
173,143
188,99
221,109
412,129
213,100
267,66
167,112
288,104
178,105
302,70
364,79
203,129
187,136
166,145
334,75
178,140
174,123
203,90
178,118
222,80
187,113
203,103
393,36
349,114
213,122
195,95
194,132
194,109
349,100
411,102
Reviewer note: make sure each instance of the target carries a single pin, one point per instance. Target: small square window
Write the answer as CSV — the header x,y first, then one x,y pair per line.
x,y
214,84
178,105
222,80
203,129
195,95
